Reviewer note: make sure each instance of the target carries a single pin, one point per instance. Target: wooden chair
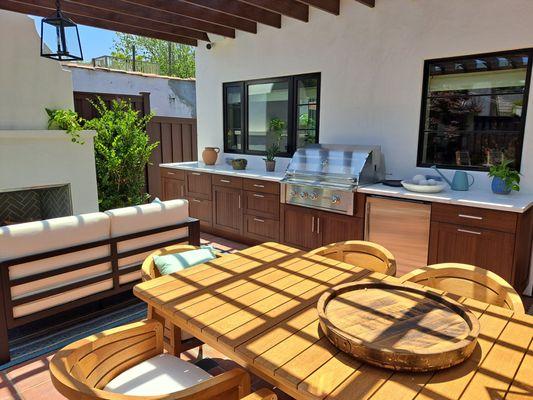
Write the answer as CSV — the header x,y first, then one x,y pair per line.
x,y
176,341
128,363
363,254
468,281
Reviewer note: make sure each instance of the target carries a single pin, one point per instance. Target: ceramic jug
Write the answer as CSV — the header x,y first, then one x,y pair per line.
x,y
210,155
460,181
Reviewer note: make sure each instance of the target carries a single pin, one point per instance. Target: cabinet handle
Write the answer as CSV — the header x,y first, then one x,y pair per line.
x,y
313,224
467,231
259,220
258,195
225,181
196,201
259,186
239,201
182,191
318,225
171,173
196,173
470,216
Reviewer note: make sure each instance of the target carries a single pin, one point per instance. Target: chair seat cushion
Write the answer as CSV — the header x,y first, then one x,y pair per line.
x,y
159,375
170,263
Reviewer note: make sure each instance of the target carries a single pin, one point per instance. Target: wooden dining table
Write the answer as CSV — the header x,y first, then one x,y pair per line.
x,y
258,307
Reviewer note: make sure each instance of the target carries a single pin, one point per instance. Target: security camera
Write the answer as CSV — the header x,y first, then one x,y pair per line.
x,y
209,46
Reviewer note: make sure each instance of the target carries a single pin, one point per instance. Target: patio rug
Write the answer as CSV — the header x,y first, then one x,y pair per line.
x,y
27,345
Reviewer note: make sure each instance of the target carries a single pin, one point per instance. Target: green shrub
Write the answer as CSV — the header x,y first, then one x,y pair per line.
x,y
66,120
122,151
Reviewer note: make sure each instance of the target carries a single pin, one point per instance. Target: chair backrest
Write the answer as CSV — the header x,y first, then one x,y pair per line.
x,y
361,253
149,270
84,368
468,281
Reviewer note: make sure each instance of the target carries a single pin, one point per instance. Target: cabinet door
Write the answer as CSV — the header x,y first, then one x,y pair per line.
x,y
334,228
201,209
299,227
172,189
227,209
261,229
198,185
261,204
483,248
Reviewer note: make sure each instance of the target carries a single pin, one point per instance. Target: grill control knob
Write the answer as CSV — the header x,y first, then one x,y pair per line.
x,y
294,193
313,196
335,199
304,195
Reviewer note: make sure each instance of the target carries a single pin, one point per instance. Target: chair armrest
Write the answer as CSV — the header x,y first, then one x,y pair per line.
x,y
149,270
237,379
261,394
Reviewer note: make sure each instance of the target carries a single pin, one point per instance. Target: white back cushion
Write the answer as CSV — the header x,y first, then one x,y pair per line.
x,y
159,375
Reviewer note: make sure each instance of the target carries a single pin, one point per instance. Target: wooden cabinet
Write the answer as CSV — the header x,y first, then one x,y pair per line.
x,y
227,209
172,184
261,204
198,185
260,228
201,209
308,228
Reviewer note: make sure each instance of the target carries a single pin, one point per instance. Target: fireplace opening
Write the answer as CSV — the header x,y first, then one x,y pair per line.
x,y
35,204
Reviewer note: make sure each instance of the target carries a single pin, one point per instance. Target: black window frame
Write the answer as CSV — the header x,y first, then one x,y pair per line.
x,y
292,123
424,99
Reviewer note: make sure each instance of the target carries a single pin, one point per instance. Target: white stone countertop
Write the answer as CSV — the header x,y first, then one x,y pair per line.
x,y
224,169
515,201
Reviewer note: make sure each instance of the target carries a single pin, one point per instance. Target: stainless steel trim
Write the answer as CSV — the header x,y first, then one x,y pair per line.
x,y
467,231
313,224
470,216
258,195
224,181
259,220
318,225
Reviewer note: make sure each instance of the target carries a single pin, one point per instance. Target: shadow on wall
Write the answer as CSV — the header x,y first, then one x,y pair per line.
x,y
185,92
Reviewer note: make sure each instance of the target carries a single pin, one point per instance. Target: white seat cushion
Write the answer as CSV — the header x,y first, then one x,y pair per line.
x,y
159,375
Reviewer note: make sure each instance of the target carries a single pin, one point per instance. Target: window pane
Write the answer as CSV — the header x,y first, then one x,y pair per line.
x,y
474,110
268,115
307,91
233,118
306,111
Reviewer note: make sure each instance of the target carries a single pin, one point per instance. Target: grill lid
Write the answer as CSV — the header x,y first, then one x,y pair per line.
x,y
330,162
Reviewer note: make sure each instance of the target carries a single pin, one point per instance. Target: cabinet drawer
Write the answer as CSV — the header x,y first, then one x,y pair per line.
x,y
476,217
258,185
172,189
261,204
201,209
172,173
198,185
227,181
262,229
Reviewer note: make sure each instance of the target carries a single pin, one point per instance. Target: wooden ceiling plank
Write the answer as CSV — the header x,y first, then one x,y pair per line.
x,y
27,7
331,6
201,13
242,10
153,14
369,3
289,8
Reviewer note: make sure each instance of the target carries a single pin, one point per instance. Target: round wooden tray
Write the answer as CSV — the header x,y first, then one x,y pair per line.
x,y
397,327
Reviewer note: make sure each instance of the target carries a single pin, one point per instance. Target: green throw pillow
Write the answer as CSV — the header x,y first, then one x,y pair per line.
x,y
170,263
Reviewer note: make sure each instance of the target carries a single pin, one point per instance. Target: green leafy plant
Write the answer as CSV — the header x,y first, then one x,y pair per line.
x,y
122,151
504,171
276,126
66,120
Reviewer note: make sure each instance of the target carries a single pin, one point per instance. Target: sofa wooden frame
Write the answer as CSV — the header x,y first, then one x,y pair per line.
x,y
8,321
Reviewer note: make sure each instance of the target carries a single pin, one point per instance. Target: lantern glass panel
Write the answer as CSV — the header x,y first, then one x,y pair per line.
x,y
60,39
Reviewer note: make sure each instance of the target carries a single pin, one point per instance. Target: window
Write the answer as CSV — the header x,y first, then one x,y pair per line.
x,y
474,110
257,112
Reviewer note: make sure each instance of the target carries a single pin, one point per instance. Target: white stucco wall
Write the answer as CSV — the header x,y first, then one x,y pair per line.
x,y
169,97
28,82
371,61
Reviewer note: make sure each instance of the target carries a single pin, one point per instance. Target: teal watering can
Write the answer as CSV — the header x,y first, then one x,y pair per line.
x,y
460,181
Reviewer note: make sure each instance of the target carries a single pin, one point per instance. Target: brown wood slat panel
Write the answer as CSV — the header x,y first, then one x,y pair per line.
x,y
166,143
290,8
331,6
369,3
187,142
177,143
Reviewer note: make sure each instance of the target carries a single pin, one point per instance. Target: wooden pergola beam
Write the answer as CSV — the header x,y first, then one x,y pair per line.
x,y
155,15
289,8
26,7
200,13
331,6
241,10
369,3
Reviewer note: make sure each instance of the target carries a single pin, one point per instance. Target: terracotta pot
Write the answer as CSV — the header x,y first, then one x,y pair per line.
x,y
270,165
210,155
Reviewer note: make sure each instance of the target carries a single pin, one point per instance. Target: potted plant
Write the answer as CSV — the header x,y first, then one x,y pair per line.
x,y
504,178
276,128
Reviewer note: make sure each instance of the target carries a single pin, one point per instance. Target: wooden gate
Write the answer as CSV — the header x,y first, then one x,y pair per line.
x,y
177,139
84,108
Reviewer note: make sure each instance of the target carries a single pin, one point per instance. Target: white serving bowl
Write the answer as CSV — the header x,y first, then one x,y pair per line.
x,y
413,187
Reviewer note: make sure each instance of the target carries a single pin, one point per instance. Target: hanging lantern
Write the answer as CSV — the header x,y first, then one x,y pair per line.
x,y
61,33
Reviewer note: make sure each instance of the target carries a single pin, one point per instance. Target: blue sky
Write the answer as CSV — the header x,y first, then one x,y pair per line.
x,y
94,42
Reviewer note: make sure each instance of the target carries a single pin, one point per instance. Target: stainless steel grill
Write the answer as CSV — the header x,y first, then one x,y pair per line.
x,y
325,176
